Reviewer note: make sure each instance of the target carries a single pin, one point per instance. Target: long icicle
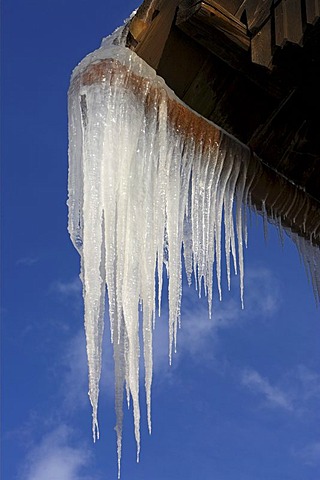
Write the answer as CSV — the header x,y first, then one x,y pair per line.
x,y
145,181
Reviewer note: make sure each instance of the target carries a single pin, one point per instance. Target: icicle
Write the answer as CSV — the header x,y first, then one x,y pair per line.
x,y
310,256
138,191
145,181
265,219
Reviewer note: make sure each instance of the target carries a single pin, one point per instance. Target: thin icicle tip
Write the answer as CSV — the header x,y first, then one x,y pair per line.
x,y
95,430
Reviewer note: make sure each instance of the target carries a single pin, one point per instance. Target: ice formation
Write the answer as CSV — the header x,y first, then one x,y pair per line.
x,y
145,183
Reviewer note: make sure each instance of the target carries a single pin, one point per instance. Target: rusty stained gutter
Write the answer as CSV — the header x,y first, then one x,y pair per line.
x,y
271,194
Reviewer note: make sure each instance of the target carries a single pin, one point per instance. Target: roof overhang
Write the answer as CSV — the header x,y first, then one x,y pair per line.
x,y
253,69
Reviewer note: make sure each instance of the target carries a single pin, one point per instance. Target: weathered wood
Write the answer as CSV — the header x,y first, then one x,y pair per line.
x,y
280,24
235,57
288,141
293,19
290,205
257,13
213,17
215,42
209,86
312,11
150,32
141,21
205,20
269,24
261,48
181,62
146,11
231,6
201,94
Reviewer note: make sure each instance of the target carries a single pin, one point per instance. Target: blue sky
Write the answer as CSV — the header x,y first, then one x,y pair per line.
x,y
241,400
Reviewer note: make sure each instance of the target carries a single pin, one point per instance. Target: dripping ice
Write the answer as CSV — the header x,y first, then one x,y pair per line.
x,y
138,193
144,187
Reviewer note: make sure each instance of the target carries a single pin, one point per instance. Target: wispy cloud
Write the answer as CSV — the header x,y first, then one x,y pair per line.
x,y
68,292
58,454
199,334
54,458
195,334
74,382
273,395
196,329
303,386
307,383
310,454
262,292
27,261
296,391
73,287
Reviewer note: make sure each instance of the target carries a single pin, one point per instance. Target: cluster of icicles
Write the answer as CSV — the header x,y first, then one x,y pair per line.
x,y
143,187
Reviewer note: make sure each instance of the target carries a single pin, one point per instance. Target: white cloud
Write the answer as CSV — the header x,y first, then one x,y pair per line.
x,y
262,292
307,383
27,261
53,458
73,287
74,386
196,328
69,292
198,334
273,395
310,454
297,390
303,386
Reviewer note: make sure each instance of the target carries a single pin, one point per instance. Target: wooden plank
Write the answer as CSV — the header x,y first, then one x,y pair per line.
x,y
181,61
239,105
209,15
280,24
231,6
261,48
232,55
293,18
227,24
216,43
257,13
202,95
288,140
209,86
151,40
312,11
267,136
142,20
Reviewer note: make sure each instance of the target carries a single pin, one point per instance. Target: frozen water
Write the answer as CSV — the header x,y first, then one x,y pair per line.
x,y
145,184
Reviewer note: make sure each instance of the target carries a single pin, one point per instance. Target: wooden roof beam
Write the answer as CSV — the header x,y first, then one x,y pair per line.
x,y
150,28
209,17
